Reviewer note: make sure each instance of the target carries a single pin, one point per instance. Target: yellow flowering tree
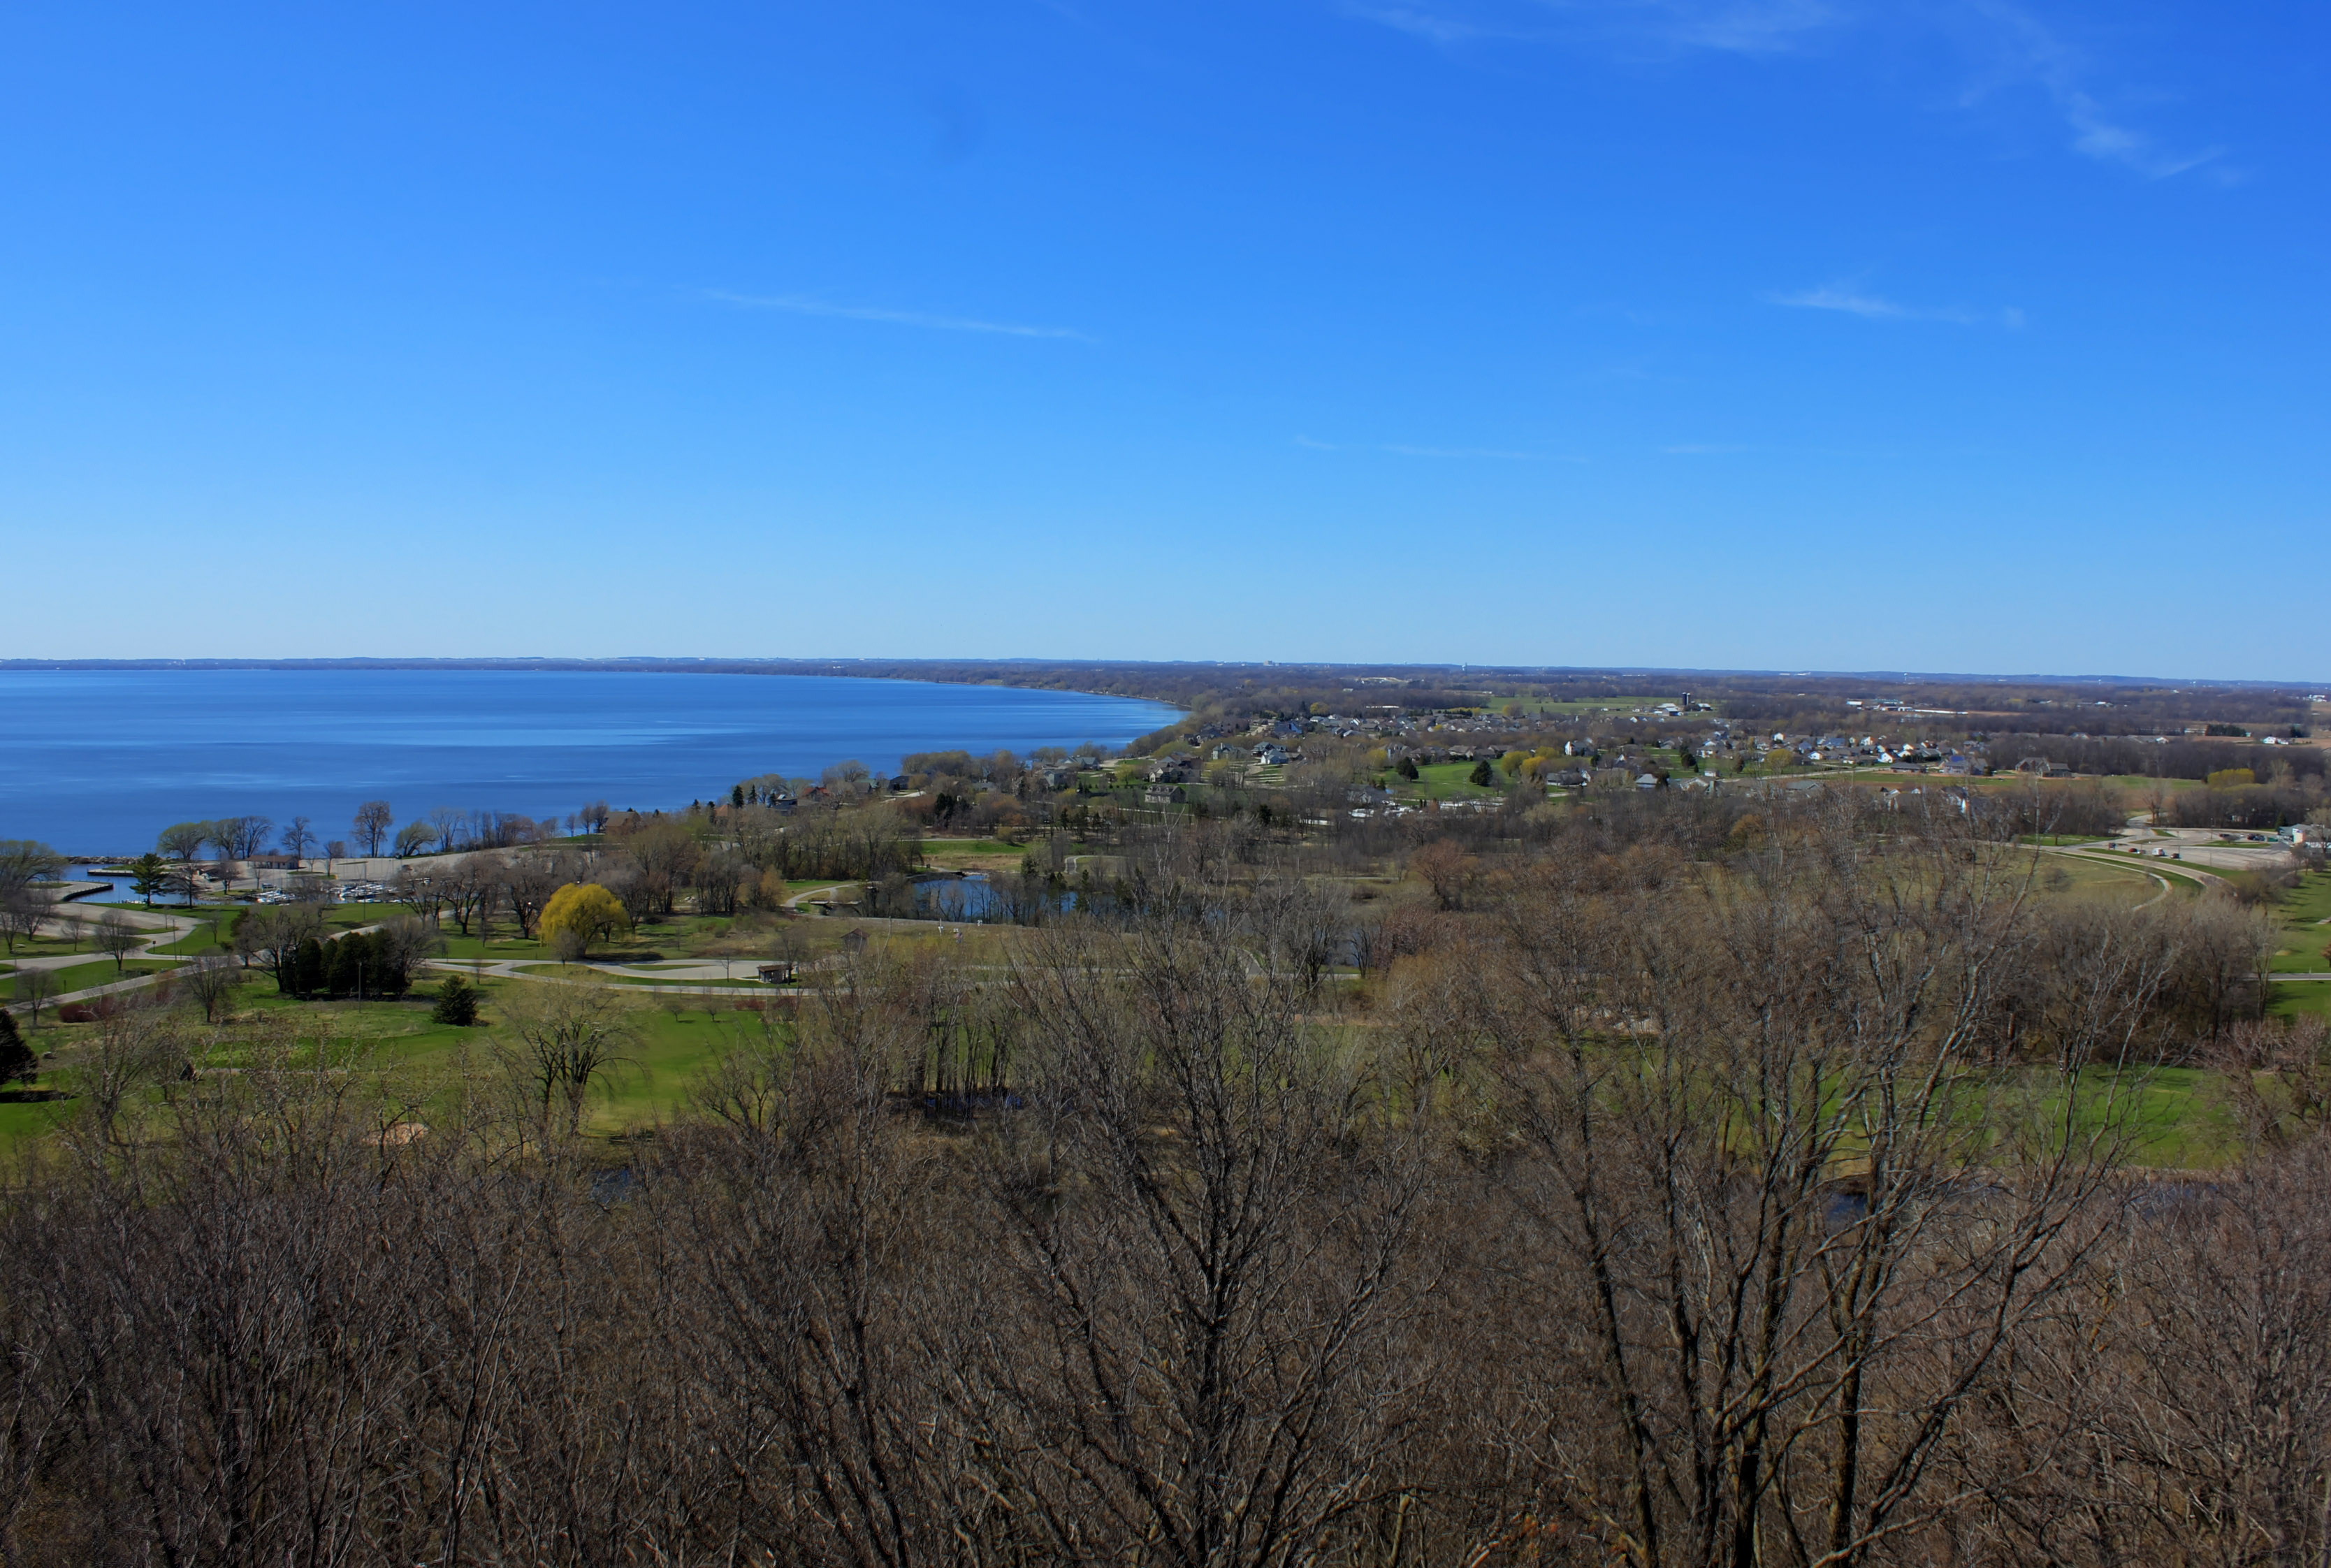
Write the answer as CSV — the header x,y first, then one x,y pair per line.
x,y
580,914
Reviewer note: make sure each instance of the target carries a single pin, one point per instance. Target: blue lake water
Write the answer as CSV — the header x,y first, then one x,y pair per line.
x,y
97,761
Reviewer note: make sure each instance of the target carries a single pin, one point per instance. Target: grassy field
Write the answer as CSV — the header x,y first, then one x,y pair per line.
x,y
1584,705
1445,781
2302,918
2183,1126
668,1041
2299,999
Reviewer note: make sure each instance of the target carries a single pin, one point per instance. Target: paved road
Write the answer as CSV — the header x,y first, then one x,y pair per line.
x,y
2107,848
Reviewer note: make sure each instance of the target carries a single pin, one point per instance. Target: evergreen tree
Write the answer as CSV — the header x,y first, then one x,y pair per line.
x,y
457,1002
18,1064
309,974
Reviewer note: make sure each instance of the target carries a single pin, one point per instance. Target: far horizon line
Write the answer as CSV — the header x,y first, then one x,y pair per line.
x,y
796,664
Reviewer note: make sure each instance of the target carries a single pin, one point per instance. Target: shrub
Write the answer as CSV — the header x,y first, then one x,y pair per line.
x,y
457,1002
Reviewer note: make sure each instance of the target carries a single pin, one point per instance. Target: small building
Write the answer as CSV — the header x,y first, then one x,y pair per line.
x,y
784,972
1164,795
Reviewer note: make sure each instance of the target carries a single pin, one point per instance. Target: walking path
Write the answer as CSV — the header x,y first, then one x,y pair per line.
x,y
160,928
626,977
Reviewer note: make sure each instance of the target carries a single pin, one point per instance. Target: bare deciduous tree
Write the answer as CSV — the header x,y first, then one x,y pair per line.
x,y
566,1036
211,982
117,938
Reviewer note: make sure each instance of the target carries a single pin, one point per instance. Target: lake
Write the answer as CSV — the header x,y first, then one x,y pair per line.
x,y
96,761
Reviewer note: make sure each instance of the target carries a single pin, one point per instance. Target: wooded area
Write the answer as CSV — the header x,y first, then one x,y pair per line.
x,y
1774,1206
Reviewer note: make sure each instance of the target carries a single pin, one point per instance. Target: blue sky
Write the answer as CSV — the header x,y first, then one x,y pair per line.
x,y
1946,334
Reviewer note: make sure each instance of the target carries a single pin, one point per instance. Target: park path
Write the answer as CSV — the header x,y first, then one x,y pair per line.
x,y
166,928
624,979
160,928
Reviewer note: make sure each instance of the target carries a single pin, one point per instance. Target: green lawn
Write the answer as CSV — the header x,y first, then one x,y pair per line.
x,y
25,1116
959,847
1584,704
2297,999
2304,936
204,938
2310,902
512,946
2182,1123
1447,781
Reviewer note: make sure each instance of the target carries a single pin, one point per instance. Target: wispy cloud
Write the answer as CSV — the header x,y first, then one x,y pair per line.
x,y
1746,27
1737,26
2031,50
2003,45
1434,26
1848,300
805,305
